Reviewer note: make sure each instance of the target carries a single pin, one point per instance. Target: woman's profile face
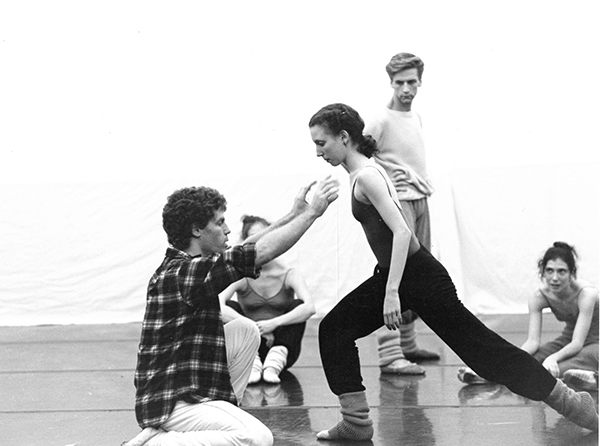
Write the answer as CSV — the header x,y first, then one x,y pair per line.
x,y
328,146
556,275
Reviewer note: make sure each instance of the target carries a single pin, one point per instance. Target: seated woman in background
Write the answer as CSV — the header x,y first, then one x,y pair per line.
x,y
573,356
280,304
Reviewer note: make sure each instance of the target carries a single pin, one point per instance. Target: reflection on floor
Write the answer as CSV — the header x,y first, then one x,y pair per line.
x,y
73,385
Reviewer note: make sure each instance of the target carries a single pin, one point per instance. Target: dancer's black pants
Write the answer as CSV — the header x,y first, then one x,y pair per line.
x,y
427,289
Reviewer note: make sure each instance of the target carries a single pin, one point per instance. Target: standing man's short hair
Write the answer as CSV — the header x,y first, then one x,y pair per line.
x,y
404,61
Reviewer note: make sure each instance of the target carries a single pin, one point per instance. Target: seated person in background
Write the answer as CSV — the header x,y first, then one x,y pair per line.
x,y
280,304
573,356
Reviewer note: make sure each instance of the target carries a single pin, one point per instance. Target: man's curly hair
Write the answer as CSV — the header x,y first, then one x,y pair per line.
x,y
188,207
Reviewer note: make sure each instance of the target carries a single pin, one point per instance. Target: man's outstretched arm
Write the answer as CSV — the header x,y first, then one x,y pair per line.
x,y
282,235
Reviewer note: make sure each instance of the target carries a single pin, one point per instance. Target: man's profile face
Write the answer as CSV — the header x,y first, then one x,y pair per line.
x,y
405,84
213,237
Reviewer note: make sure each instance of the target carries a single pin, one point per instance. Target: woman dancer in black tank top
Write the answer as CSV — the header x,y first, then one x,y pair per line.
x,y
409,277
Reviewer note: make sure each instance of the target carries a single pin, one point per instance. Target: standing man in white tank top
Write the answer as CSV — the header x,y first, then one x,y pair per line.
x,y
401,152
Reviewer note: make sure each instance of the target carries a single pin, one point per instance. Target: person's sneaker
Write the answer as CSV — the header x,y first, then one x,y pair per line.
x,y
581,379
402,367
468,376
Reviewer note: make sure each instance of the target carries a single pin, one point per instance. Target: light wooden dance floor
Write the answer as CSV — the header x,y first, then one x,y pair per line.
x,y
73,385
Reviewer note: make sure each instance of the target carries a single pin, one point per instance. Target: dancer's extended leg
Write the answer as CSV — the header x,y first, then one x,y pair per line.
x,y
427,288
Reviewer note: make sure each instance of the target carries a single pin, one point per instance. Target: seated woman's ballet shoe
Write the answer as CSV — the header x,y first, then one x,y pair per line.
x,y
275,362
256,373
270,375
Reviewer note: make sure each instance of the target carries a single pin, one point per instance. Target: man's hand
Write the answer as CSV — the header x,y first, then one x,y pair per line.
x,y
300,203
326,192
392,313
269,339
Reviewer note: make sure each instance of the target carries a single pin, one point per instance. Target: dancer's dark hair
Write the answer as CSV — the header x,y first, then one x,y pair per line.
x,y
562,251
339,117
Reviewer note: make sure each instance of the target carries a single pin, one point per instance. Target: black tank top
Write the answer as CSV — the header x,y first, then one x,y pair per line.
x,y
378,233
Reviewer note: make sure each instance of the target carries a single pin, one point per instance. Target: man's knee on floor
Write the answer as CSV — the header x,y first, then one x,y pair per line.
x,y
259,436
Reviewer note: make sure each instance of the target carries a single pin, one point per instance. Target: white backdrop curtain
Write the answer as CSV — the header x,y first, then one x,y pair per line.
x,y
107,107
83,253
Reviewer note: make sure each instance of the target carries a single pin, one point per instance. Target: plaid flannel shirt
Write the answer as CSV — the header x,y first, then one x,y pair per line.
x,y
182,353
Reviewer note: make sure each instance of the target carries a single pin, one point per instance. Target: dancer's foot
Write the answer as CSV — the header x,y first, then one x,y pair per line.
x,y
356,424
581,379
402,367
468,376
421,355
578,407
347,431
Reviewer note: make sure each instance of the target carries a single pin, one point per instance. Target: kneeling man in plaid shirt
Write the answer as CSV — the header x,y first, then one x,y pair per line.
x,y
192,369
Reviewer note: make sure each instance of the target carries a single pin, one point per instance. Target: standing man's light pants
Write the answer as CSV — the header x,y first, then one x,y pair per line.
x,y
219,423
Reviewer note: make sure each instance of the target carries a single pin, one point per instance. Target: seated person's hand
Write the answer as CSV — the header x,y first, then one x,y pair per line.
x,y
552,366
266,326
269,339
